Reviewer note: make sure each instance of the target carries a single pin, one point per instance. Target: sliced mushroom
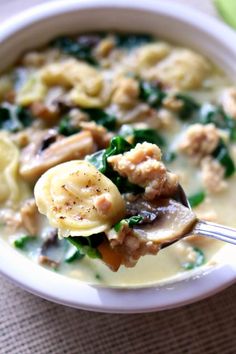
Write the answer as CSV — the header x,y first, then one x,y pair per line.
x,y
172,222
35,160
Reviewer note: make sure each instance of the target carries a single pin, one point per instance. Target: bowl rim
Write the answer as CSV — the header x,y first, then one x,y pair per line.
x,y
77,294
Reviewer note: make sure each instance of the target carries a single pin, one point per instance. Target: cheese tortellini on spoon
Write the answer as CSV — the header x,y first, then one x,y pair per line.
x,y
78,199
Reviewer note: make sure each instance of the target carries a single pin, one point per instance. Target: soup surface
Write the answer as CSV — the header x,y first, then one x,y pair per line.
x,y
68,100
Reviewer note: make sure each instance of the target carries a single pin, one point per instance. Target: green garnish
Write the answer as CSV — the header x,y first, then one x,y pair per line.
x,y
142,135
200,260
190,106
77,48
98,276
169,156
66,128
151,94
214,114
149,135
72,254
87,245
131,40
14,118
131,222
196,199
22,241
102,118
118,145
222,155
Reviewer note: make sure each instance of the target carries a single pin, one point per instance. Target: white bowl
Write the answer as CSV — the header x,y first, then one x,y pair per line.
x,y
167,20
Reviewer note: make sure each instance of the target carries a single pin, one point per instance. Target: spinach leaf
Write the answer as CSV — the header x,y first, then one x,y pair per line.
x,y
131,40
142,135
132,221
214,114
200,260
169,156
102,118
22,241
77,47
222,154
88,245
196,199
72,254
190,106
66,128
151,94
118,145
14,118
97,160
149,135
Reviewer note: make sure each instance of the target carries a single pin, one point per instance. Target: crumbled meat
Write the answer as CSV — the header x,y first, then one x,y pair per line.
x,y
77,116
213,175
102,203
199,141
29,215
35,162
172,103
47,113
228,101
142,166
11,220
126,92
100,135
33,59
130,245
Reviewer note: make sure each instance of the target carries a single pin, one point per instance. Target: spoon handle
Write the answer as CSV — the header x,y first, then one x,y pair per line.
x,y
220,232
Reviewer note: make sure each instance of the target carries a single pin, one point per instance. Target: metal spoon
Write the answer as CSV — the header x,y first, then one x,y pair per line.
x,y
205,228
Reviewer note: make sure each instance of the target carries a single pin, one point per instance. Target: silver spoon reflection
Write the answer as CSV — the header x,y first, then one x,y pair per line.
x,y
200,227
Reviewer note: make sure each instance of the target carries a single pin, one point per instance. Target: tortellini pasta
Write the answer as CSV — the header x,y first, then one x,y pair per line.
x,y
9,158
78,200
151,54
84,84
32,91
183,69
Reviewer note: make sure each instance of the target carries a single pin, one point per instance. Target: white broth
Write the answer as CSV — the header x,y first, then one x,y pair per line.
x,y
67,101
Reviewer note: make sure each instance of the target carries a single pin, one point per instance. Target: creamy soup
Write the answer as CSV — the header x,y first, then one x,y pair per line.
x,y
68,101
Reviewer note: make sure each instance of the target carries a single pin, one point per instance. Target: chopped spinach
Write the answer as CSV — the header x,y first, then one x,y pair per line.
x,y
190,106
169,156
200,260
142,135
214,114
72,253
102,118
151,94
222,155
88,245
131,222
118,145
66,127
131,40
22,241
77,47
14,118
149,135
196,199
